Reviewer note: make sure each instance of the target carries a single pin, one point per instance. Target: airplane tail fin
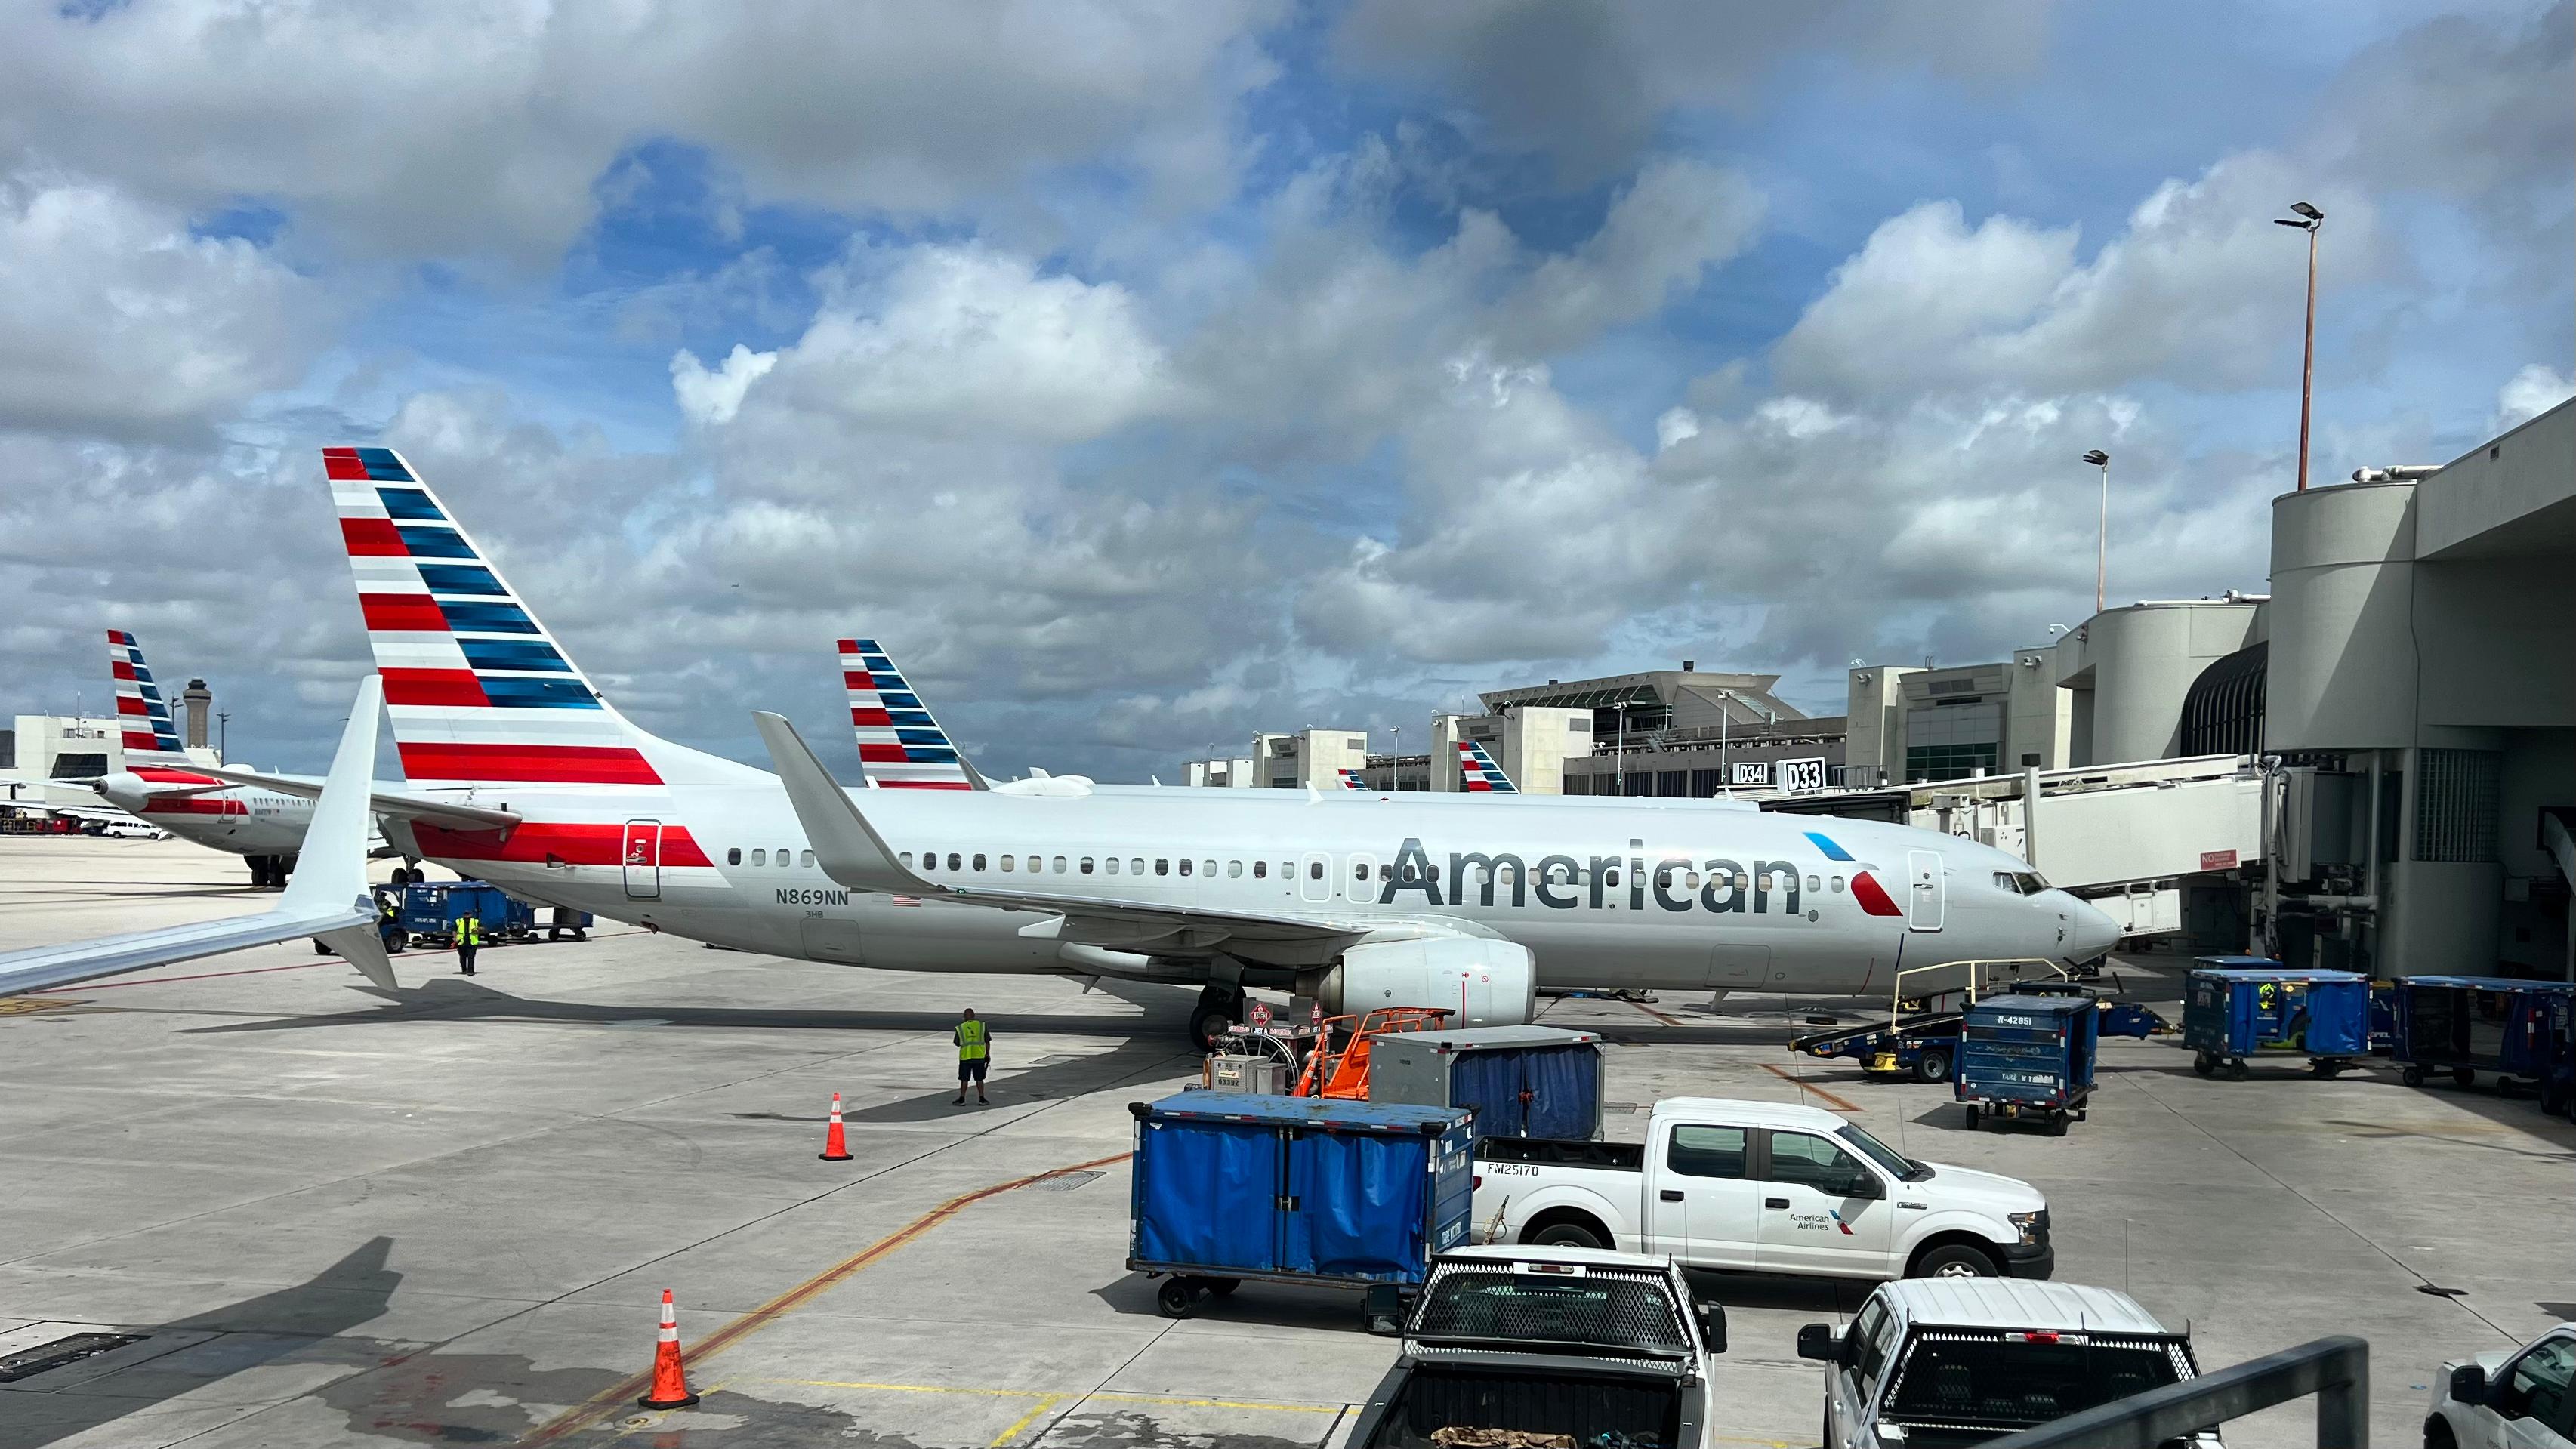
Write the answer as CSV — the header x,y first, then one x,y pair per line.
x,y
900,746
1478,772
479,692
1351,780
150,738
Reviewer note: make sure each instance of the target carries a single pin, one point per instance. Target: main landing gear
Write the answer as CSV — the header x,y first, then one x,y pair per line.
x,y
1219,1006
269,872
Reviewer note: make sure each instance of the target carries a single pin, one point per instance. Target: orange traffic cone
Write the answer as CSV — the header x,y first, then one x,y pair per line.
x,y
670,1376
836,1148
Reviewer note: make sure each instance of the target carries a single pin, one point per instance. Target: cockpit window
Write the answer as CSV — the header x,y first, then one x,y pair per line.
x,y
2020,882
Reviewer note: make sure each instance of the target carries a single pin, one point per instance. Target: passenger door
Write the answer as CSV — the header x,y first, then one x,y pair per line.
x,y
1923,906
1823,1211
1703,1200
1315,882
643,860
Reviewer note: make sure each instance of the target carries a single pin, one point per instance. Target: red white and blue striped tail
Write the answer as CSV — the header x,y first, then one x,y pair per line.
x,y
1477,770
149,736
900,746
1351,780
478,691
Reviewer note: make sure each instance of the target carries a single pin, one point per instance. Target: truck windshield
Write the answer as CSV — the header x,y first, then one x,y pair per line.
x,y
2014,1380
1895,1162
1599,1309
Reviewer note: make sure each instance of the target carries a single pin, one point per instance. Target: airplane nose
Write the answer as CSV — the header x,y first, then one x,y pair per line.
x,y
2090,933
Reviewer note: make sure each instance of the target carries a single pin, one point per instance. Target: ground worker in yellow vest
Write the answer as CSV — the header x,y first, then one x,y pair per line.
x,y
468,935
974,1050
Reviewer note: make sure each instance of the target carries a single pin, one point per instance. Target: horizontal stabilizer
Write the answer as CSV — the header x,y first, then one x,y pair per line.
x,y
400,806
327,898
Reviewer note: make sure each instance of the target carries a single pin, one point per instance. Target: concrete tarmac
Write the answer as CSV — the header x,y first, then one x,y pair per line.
x,y
446,1215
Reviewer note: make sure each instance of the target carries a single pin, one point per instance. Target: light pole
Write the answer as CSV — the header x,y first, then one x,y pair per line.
x,y
2102,543
2311,221
1395,765
223,735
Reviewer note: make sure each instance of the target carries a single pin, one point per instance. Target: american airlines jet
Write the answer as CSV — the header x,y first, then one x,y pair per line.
x,y
161,785
1360,901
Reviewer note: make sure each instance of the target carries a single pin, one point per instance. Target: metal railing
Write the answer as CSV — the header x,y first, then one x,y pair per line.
x,y
2336,1370
1976,979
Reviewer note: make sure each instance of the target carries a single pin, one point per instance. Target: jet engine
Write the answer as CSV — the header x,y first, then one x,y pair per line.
x,y
1488,982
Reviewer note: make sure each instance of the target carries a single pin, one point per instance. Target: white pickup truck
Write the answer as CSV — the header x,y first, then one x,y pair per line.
x,y
1762,1187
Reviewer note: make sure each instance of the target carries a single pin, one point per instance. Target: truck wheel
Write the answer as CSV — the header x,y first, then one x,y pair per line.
x,y
2438,1435
1566,1235
1932,1066
1180,1297
1954,1260
2413,1076
1972,1117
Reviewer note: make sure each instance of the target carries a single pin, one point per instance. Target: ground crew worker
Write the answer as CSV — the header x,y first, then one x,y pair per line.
x,y
388,920
469,939
974,1050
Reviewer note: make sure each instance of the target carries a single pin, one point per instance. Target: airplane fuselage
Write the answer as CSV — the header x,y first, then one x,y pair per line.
x,y
243,821
1604,894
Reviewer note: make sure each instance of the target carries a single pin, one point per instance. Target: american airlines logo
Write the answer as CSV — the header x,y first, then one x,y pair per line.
x,y
1565,882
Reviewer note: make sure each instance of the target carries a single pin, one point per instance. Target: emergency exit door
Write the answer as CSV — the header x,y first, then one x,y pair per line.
x,y
1923,906
643,858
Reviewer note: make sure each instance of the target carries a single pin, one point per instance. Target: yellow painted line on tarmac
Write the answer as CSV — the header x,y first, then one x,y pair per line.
x,y
609,1400
30,1005
1023,1421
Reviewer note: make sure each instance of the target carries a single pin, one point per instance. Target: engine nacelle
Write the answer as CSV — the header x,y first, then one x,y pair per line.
x,y
1495,982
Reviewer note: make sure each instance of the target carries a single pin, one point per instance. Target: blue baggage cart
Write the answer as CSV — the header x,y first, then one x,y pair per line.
x,y
2232,1014
2468,1024
2024,1056
1314,1190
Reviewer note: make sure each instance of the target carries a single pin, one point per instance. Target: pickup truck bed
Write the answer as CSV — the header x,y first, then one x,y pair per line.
x,y
1564,1152
1588,1403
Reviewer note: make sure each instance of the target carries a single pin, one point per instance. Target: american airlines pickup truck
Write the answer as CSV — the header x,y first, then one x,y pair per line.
x,y
1762,1187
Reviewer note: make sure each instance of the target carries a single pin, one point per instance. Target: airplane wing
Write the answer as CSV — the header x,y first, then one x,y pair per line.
x,y
451,814
326,899
852,852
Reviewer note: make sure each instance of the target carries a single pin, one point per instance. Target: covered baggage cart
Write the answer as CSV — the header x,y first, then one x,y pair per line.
x,y
1520,1081
2028,1056
2231,1015
1319,1190
2464,1025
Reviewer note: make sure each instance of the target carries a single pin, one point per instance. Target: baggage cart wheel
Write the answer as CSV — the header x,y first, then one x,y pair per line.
x,y
2057,1124
1932,1066
2237,1070
1181,1296
2413,1076
2204,1063
2080,1113
2508,1087
1972,1116
2464,1076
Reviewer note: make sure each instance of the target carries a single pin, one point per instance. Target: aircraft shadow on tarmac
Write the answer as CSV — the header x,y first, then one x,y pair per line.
x,y
450,998
1051,1077
293,1322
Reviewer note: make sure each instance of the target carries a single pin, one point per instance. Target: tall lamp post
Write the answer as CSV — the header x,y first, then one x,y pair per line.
x,y
2311,221
2102,543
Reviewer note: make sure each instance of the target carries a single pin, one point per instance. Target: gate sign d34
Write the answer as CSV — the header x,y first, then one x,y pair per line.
x,y
1801,775
1749,772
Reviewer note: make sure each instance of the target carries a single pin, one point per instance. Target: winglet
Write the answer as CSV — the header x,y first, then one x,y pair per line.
x,y
331,865
845,844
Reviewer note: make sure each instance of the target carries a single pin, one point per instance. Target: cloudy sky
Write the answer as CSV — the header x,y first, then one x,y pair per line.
x,y
1147,376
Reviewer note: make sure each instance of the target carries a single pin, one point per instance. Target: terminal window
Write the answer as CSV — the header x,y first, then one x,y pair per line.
x,y
1947,762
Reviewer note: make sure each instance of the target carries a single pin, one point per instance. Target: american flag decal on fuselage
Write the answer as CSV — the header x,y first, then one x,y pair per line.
x,y
1477,770
900,746
476,688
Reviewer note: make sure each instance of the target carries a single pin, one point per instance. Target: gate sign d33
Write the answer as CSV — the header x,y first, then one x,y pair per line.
x,y
1800,775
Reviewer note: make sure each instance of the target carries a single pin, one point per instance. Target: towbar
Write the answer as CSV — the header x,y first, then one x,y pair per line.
x,y
2336,1370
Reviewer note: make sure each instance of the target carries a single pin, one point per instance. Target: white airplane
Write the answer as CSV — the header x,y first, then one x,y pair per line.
x,y
327,901
1381,900
161,786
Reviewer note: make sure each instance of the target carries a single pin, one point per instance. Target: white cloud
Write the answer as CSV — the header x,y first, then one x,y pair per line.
x,y
2533,391
460,131
116,319
709,397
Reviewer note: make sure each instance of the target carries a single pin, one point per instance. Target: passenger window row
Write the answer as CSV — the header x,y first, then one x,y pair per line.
x,y
762,856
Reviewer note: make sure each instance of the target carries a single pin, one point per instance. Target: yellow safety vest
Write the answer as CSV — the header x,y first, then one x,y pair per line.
x,y
970,1041
469,931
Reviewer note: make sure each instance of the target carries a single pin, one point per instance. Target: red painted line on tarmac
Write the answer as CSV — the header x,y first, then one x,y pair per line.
x,y
1657,1015
211,975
